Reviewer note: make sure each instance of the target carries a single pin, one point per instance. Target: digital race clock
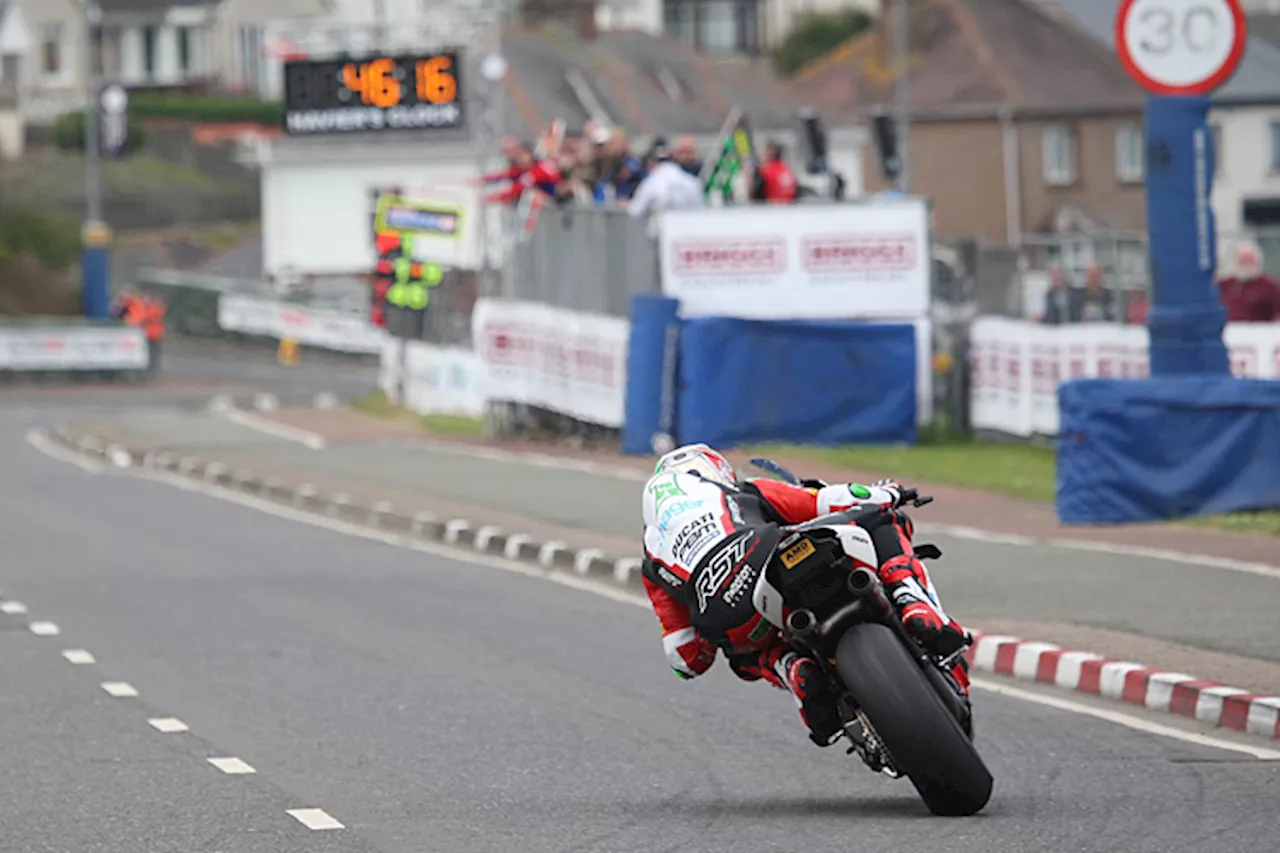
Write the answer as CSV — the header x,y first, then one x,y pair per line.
x,y
373,94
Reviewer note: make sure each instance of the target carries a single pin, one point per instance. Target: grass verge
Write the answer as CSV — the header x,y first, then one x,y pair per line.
x,y
1018,470
449,426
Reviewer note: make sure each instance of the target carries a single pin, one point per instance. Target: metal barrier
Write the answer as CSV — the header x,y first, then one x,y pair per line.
x,y
588,259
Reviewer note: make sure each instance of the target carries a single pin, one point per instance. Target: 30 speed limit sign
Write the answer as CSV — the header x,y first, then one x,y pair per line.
x,y
1180,47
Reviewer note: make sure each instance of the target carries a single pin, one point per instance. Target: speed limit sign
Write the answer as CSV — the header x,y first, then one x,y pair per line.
x,y
1180,47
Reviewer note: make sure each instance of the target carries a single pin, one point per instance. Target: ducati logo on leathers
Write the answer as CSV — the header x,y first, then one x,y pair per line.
x,y
718,570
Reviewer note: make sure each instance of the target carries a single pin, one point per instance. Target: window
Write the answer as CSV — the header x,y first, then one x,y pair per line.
x,y
1275,146
716,26
1129,159
10,69
149,36
51,49
184,50
1218,153
1059,155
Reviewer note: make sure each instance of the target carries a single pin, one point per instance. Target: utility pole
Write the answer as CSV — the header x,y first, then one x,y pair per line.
x,y
95,296
902,56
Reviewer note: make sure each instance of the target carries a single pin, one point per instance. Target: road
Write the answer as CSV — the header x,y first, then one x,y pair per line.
x,y
429,704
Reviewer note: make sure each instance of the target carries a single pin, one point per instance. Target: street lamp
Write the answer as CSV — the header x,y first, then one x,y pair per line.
x,y
95,299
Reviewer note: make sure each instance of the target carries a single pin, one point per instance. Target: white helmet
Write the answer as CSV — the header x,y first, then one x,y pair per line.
x,y
701,460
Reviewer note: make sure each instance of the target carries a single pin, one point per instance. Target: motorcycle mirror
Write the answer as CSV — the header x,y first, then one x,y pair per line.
x,y
771,467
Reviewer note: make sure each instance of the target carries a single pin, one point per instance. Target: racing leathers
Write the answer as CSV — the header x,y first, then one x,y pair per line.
x,y
688,520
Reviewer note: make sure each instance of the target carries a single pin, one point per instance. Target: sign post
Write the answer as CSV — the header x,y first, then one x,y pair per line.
x,y
1179,51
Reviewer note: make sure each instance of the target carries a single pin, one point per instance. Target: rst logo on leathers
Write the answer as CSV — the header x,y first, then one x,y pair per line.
x,y
693,536
721,566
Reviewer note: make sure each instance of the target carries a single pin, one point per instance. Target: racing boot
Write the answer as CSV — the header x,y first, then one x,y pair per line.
x,y
908,586
813,695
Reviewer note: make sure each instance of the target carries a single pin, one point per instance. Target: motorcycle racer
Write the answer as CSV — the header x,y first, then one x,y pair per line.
x,y
694,502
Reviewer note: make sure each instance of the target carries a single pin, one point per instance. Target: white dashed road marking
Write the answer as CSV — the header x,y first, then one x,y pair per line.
x,y
45,629
13,608
231,765
169,725
120,689
78,656
314,819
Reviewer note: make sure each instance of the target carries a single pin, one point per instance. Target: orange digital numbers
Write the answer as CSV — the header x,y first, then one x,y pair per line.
x,y
436,83
374,81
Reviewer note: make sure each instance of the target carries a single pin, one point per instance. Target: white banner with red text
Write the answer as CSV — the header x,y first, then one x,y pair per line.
x,y
772,262
71,348
554,358
1016,366
314,327
435,380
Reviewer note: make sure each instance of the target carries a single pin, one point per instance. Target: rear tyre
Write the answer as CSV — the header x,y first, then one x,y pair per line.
x,y
921,735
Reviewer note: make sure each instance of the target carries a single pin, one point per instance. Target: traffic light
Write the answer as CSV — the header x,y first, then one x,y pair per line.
x,y
389,246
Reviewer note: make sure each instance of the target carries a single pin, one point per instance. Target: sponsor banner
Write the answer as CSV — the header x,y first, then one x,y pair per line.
x,y
123,348
804,262
1016,366
555,358
440,380
325,329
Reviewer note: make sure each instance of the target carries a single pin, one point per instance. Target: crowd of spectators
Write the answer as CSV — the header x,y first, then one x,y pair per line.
x,y
601,168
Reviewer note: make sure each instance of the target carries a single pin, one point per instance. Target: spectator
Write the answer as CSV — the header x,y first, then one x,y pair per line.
x,y
618,170
526,173
775,182
686,156
1250,296
1057,301
666,187
1136,308
1097,303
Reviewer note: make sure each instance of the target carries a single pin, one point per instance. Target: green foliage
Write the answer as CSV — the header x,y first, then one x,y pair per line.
x,y
68,132
817,34
53,240
203,108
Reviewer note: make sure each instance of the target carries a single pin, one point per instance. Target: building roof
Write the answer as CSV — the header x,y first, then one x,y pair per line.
x,y
1257,81
150,5
1266,26
647,84
974,59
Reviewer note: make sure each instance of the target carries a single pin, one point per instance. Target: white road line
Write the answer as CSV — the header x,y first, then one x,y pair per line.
x,y
1122,719
624,597
168,725
120,689
45,629
13,608
314,818
274,429
79,656
41,442
231,765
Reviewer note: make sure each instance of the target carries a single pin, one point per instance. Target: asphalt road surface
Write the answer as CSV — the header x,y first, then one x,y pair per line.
x,y
428,704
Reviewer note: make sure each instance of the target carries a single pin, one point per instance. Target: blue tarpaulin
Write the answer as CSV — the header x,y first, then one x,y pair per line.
x,y
1166,448
746,381
648,409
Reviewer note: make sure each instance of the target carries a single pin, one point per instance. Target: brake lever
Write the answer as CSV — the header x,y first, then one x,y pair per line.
x,y
921,501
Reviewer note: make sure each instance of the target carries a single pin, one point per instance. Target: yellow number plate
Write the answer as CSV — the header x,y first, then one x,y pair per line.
x,y
797,552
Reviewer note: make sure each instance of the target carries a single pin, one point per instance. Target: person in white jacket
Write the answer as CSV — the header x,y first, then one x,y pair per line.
x,y
667,187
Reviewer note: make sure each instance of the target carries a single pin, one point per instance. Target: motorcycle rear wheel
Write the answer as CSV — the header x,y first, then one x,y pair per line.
x,y
922,736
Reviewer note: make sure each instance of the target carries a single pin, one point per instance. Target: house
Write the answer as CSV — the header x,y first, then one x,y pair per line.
x,y
1021,123
717,26
15,43
1245,117
145,44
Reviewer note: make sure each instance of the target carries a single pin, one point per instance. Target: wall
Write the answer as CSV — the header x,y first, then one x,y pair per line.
x,y
1097,188
960,167
224,51
12,131
46,96
1244,164
316,214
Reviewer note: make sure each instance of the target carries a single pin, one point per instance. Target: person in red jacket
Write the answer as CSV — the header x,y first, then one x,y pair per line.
x,y
1250,296
695,510
526,172
775,181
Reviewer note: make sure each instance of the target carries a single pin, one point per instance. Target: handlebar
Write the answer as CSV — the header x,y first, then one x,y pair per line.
x,y
913,497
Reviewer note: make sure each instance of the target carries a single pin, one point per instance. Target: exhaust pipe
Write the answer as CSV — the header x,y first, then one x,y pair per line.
x,y
801,622
861,582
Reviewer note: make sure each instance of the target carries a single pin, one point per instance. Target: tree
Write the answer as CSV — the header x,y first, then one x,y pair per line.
x,y
815,35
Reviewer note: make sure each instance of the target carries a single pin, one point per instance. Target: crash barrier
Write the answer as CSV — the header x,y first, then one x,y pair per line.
x,y
433,380
1016,367
1167,448
72,348
337,331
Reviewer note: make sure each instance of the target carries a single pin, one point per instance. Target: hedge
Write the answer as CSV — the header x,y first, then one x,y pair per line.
x,y
198,108
68,132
